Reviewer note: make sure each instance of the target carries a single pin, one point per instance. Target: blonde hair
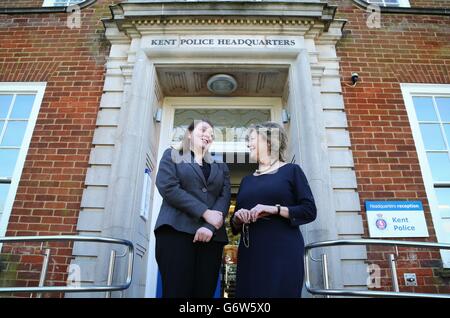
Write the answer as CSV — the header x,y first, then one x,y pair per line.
x,y
274,134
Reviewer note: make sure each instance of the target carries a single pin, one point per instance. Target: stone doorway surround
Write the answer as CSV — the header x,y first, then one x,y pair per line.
x,y
126,137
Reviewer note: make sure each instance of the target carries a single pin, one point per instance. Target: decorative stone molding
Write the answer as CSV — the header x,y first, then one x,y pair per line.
x,y
314,97
132,16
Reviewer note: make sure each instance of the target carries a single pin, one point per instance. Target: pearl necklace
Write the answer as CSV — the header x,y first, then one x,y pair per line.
x,y
259,172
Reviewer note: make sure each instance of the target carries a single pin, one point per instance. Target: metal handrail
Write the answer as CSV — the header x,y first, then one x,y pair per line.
x,y
73,238
363,293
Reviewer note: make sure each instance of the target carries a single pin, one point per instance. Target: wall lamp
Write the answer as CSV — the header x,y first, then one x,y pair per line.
x,y
285,116
158,115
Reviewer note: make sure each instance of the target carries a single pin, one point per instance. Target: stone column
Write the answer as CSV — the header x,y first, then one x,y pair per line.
x,y
122,200
308,127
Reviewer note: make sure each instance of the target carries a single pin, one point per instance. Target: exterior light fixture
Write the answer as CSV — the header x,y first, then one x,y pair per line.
x,y
285,116
158,115
222,84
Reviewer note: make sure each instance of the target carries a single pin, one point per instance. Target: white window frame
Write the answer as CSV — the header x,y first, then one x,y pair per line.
x,y
37,88
401,3
273,104
408,91
51,3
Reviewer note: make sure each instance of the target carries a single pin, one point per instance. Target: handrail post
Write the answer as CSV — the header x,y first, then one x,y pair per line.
x,y
112,264
44,270
70,289
326,283
394,278
392,261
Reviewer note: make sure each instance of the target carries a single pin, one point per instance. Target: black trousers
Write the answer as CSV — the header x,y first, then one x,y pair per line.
x,y
188,270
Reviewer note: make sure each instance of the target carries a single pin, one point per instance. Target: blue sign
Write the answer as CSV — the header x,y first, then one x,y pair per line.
x,y
396,219
394,205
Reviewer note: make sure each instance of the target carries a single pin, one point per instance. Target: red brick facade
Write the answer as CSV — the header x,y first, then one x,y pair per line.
x,y
406,49
41,48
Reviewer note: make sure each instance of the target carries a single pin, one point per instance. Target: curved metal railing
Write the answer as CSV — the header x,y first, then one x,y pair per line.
x,y
364,293
73,238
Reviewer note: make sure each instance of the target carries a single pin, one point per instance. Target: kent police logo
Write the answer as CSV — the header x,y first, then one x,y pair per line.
x,y
381,223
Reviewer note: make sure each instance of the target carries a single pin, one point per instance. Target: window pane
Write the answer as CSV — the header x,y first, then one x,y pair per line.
x,y
230,125
5,102
447,133
424,109
446,236
393,3
8,158
440,166
443,197
22,106
432,136
58,3
4,187
14,133
443,105
389,3
2,122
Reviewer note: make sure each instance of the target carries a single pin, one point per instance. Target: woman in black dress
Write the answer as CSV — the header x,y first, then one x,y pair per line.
x,y
271,205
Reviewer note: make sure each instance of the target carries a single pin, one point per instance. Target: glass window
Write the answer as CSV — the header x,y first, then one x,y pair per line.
x,y
230,125
390,3
440,166
443,197
22,106
5,102
17,115
447,132
432,137
430,103
8,158
60,3
15,130
424,109
4,187
446,228
443,105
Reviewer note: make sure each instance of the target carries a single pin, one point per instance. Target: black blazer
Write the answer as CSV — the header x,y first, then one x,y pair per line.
x,y
187,195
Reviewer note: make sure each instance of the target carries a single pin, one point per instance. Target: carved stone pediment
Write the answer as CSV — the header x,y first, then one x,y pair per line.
x,y
133,15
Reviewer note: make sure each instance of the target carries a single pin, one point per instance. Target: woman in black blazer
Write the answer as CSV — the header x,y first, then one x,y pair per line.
x,y
190,232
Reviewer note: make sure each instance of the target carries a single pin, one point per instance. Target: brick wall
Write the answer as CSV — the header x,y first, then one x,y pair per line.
x,y
21,3
41,48
406,49
429,3
71,61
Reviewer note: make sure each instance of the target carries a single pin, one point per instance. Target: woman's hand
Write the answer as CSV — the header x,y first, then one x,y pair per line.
x,y
261,210
213,217
203,235
242,216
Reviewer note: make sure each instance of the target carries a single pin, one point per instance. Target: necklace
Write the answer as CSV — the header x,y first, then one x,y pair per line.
x,y
258,171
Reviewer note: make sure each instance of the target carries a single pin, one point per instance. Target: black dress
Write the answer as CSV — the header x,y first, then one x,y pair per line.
x,y
272,265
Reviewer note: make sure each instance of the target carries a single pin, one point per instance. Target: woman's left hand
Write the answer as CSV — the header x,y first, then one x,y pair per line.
x,y
261,210
203,234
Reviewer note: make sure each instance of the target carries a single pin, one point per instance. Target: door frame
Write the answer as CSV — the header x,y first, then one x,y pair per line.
x,y
170,104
